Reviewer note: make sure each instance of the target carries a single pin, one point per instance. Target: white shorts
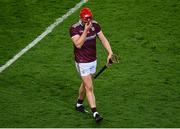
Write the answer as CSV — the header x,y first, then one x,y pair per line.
x,y
85,69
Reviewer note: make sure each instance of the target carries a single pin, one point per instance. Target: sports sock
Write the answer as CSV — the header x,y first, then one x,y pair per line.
x,y
79,103
93,109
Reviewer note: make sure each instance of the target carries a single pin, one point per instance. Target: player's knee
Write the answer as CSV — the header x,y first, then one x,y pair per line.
x,y
89,87
82,91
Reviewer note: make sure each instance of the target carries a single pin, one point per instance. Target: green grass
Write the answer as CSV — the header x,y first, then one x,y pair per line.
x,y
40,89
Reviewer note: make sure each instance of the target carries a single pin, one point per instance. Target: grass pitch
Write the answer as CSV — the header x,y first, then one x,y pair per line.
x,y
40,89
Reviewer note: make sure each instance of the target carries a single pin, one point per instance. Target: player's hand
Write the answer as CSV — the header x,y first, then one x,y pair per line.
x,y
88,26
109,62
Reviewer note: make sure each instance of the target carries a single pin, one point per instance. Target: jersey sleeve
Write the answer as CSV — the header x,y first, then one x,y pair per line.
x,y
97,28
73,31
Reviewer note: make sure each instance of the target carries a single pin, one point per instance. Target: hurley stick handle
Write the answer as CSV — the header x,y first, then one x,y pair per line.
x,y
102,69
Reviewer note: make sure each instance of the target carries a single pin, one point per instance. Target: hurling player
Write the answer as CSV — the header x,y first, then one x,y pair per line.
x,y
83,35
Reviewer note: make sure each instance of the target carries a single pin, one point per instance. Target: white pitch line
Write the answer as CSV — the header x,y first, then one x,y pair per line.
x,y
40,37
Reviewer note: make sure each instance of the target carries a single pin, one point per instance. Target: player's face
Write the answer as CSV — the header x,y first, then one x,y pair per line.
x,y
87,20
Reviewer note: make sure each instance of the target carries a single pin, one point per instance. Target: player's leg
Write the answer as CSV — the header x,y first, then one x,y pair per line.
x,y
85,70
87,81
79,103
82,92
88,84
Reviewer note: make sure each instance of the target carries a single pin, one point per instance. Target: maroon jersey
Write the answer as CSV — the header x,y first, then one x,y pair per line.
x,y
87,53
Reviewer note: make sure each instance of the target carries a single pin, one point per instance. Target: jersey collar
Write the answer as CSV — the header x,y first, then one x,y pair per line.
x,y
80,22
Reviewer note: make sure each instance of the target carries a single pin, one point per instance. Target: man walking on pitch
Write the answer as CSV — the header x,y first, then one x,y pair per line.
x,y
83,35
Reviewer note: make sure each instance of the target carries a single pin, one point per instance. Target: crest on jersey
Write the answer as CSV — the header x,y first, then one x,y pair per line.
x,y
93,29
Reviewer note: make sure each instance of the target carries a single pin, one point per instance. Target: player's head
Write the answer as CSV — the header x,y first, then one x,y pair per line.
x,y
86,15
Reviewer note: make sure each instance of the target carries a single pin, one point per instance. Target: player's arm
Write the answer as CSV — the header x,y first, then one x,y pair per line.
x,y
105,44
79,40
